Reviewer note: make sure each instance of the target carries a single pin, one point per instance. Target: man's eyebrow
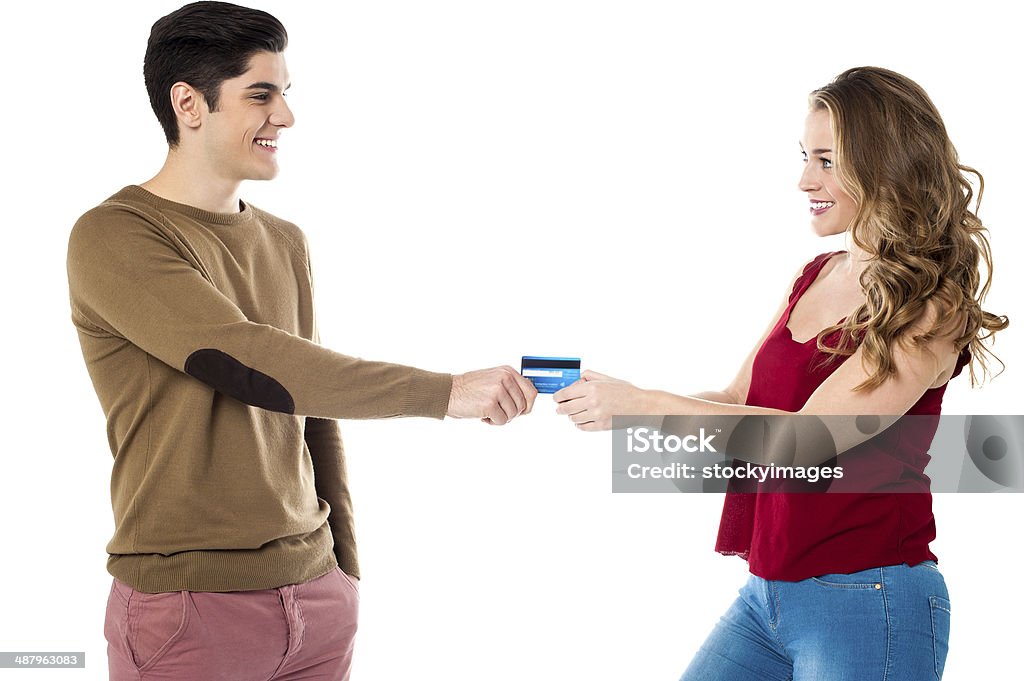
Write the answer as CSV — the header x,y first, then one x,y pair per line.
x,y
264,85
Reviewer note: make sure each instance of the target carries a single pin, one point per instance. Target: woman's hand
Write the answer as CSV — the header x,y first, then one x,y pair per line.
x,y
591,401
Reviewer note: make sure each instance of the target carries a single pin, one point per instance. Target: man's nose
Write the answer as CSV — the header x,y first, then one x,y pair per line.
x,y
283,115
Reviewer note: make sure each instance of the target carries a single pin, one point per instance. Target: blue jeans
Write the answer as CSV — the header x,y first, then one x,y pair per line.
x,y
882,624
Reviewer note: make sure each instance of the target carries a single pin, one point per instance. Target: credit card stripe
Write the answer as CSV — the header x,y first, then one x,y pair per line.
x,y
540,363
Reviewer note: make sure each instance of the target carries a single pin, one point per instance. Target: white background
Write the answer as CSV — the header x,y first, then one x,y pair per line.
x,y
482,180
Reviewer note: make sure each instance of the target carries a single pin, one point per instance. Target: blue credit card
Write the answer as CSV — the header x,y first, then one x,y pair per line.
x,y
551,374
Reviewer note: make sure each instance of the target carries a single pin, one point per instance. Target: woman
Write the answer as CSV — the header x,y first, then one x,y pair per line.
x,y
844,586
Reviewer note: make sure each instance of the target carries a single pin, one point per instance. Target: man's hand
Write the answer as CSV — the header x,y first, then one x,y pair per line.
x,y
494,396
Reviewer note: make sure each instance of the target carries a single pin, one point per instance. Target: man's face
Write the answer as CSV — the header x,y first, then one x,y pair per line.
x,y
240,137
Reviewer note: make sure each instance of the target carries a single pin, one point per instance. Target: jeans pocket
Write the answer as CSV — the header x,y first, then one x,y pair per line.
x,y
940,632
865,579
155,622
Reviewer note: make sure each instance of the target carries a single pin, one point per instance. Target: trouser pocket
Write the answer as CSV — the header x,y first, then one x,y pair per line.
x,y
940,631
154,623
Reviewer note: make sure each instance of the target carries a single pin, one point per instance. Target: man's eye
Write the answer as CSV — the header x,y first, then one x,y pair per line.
x,y
262,97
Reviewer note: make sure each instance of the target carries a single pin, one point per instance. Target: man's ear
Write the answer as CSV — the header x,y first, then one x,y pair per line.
x,y
188,104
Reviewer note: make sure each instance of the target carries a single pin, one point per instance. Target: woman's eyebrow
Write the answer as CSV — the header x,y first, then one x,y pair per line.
x,y
815,151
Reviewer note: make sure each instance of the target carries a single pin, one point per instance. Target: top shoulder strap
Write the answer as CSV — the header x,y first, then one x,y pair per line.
x,y
809,274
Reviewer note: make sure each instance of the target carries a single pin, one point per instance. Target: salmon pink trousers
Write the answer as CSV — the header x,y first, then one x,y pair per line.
x,y
299,631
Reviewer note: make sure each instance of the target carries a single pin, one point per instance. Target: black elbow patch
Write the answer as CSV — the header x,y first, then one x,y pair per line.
x,y
227,375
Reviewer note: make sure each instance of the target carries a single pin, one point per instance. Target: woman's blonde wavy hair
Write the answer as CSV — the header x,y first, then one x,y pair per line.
x,y
914,220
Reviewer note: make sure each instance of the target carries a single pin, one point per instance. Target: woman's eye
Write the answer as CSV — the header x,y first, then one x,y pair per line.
x,y
826,163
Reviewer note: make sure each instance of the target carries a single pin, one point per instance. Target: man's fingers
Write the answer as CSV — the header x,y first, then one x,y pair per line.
x,y
529,390
495,395
508,405
518,393
515,391
496,414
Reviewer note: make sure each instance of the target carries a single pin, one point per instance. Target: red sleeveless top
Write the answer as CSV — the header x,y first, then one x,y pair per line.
x,y
793,536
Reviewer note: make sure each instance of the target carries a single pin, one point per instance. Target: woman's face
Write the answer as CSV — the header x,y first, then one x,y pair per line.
x,y
832,209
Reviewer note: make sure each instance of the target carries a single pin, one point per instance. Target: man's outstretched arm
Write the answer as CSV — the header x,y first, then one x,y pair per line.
x,y
128,278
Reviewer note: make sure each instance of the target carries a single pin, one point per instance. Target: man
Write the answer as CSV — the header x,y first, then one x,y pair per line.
x,y
233,553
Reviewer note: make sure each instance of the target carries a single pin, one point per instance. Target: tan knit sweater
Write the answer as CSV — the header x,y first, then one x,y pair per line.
x,y
199,334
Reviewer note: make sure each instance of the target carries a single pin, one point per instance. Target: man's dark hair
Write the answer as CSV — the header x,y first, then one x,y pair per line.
x,y
204,44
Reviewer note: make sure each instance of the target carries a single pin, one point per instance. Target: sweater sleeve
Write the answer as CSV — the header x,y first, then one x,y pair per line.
x,y
129,278
328,453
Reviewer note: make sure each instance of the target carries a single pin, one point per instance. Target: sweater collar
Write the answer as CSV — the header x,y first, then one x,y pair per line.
x,y
136,192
